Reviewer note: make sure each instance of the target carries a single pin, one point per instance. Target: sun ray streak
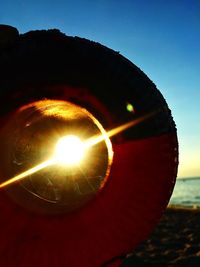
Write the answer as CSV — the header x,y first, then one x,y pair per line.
x,y
99,138
88,143
22,175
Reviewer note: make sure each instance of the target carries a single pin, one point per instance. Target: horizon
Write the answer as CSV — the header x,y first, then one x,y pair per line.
x,y
190,177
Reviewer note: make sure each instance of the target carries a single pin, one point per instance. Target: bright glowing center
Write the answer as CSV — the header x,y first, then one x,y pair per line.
x,y
69,150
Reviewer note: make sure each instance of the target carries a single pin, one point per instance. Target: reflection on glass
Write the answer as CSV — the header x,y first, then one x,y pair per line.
x,y
56,130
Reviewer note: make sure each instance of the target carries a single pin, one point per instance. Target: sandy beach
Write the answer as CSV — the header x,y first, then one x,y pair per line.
x,y
174,242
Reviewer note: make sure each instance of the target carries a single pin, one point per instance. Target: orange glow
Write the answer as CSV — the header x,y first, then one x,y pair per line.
x,y
97,139
69,150
88,143
22,175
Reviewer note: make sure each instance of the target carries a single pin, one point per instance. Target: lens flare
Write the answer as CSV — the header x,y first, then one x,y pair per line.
x,y
69,150
23,175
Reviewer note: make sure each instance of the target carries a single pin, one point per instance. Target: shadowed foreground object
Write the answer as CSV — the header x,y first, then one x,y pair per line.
x,y
48,65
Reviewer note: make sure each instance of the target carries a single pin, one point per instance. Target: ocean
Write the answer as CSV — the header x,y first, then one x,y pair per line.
x,y
186,192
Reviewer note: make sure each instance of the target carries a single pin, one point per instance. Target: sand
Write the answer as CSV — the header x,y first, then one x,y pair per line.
x,y
174,242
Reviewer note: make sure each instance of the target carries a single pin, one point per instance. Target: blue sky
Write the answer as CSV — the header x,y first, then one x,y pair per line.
x,y
161,37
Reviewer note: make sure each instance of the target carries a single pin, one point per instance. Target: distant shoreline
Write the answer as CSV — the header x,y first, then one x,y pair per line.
x,y
188,178
182,207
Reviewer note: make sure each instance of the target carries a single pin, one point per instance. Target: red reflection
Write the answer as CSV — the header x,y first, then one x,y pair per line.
x,y
122,215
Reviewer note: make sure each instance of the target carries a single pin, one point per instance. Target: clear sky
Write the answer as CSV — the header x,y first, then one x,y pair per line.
x,y
161,37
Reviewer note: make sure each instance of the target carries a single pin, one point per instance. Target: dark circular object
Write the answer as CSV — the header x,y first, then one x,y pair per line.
x,y
8,35
50,65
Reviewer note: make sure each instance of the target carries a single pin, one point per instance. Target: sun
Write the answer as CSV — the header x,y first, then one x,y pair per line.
x,y
69,150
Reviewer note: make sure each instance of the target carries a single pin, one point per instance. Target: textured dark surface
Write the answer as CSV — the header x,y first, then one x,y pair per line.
x,y
174,242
